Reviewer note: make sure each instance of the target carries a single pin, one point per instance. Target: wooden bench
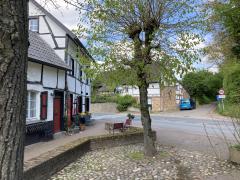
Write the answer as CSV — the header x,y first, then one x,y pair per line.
x,y
114,126
128,123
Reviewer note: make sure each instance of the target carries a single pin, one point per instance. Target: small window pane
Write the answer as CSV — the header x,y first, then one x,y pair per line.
x,y
31,105
33,25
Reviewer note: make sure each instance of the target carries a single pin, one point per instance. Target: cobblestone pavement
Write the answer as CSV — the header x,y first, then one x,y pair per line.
x,y
128,162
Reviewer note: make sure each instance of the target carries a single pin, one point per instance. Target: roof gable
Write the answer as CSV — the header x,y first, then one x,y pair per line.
x,y
40,51
61,25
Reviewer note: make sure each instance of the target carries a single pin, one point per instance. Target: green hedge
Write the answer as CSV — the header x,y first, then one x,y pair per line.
x,y
123,102
231,83
205,100
104,98
230,109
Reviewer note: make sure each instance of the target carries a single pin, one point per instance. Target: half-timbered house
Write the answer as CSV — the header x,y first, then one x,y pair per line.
x,y
57,85
46,84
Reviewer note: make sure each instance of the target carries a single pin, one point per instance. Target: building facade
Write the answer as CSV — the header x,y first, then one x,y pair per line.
x,y
57,85
159,98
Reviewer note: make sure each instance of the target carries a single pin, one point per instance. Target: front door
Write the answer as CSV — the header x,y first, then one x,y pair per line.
x,y
57,114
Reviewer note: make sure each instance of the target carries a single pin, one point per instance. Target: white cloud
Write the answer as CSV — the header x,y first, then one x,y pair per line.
x,y
64,12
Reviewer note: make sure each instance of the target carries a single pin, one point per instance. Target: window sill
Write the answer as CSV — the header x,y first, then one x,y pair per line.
x,y
32,121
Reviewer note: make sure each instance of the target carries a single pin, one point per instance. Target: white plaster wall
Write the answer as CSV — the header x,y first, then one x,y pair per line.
x,y
49,77
71,83
76,69
34,71
57,31
61,42
84,77
33,10
60,53
43,26
154,85
61,79
130,90
78,87
84,89
134,90
153,90
72,48
50,106
88,90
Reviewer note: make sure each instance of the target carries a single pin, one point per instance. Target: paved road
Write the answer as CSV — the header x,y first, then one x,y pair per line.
x,y
187,129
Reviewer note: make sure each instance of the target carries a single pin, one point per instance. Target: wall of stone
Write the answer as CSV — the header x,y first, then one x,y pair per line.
x,y
156,104
168,99
47,164
185,94
104,107
113,141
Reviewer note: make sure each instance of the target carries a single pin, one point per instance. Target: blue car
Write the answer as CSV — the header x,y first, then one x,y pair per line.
x,y
187,104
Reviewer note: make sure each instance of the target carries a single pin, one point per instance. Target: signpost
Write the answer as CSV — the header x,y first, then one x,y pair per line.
x,y
220,97
221,92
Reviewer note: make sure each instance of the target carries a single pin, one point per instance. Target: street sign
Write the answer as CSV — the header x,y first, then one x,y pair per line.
x,y
220,99
221,91
221,96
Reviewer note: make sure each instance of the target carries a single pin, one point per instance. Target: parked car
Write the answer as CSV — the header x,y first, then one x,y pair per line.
x,y
187,103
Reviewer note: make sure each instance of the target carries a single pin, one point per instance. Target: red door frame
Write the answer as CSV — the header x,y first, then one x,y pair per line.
x,y
57,114
70,109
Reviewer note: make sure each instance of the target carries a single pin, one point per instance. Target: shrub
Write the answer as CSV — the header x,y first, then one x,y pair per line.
x,y
202,85
204,100
231,83
136,105
230,109
123,102
104,98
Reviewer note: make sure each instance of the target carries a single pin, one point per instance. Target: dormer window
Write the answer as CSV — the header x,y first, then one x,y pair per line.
x,y
34,24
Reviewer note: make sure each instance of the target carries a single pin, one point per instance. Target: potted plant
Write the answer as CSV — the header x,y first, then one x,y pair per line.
x,y
66,128
130,116
88,118
82,121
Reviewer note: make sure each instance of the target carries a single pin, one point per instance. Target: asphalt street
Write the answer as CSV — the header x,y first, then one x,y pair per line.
x,y
198,130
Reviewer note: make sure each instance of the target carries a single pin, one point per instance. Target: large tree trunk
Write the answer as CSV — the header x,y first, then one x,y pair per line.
x,y
13,70
149,144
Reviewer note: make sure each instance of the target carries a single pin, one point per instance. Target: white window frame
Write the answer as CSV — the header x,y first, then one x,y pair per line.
x,y
29,109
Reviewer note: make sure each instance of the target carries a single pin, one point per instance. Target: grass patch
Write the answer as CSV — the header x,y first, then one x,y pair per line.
x,y
136,155
164,154
236,146
231,110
